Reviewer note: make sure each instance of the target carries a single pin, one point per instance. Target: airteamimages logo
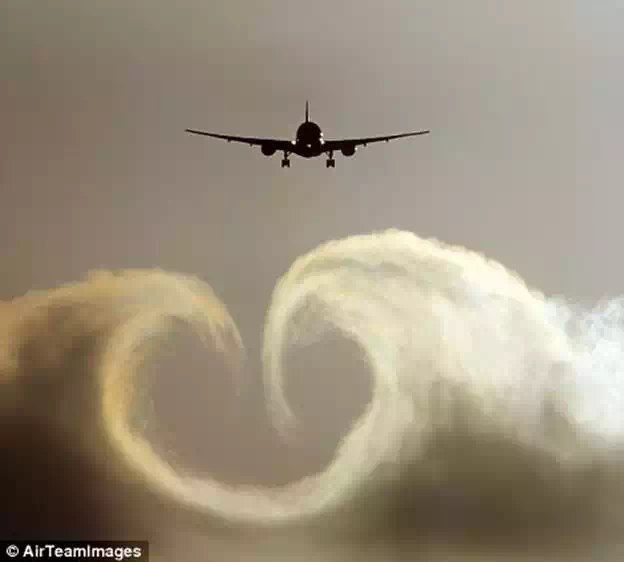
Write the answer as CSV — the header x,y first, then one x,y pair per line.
x,y
61,550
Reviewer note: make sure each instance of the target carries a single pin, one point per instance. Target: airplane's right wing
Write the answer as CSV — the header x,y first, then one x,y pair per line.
x,y
277,144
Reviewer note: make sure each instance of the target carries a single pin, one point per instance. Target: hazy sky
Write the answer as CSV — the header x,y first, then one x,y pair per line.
x,y
524,100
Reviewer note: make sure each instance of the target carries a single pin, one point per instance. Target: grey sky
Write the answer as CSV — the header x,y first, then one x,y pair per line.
x,y
524,100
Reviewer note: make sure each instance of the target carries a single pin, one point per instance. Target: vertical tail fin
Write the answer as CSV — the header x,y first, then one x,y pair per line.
x,y
307,115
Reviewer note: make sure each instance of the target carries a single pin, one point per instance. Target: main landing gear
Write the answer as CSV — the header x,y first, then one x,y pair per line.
x,y
285,161
331,163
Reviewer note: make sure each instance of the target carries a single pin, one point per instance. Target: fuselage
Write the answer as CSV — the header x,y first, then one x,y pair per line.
x,y
308,142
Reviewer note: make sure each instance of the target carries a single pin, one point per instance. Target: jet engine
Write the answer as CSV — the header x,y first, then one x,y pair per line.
x,y
268,149
348,150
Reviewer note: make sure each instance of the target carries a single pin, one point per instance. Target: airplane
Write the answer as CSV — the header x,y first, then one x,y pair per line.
x,y
308,143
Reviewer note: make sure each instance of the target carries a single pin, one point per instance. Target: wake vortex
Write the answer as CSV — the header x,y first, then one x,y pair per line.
x,y
529,391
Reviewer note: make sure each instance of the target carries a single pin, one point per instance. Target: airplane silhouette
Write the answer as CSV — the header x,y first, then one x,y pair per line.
x,y
308,143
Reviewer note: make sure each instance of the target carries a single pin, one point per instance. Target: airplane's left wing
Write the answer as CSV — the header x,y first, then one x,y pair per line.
x,y
351,143
278,144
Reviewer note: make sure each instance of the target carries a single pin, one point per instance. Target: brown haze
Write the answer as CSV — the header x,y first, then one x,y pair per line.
x,y
96,173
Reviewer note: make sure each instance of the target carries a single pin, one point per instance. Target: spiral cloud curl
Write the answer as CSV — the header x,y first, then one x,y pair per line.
x,y
494,430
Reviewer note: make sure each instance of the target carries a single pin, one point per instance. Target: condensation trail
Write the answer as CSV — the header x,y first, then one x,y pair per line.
x,y
457,345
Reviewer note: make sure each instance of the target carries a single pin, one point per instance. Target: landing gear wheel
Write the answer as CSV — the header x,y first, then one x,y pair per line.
x,y
331,163
285,163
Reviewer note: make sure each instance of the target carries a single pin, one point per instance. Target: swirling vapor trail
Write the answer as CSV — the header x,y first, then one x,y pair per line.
x,y
496,417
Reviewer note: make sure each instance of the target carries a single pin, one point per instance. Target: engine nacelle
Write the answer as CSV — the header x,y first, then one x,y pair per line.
x,y
268,149
348,150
